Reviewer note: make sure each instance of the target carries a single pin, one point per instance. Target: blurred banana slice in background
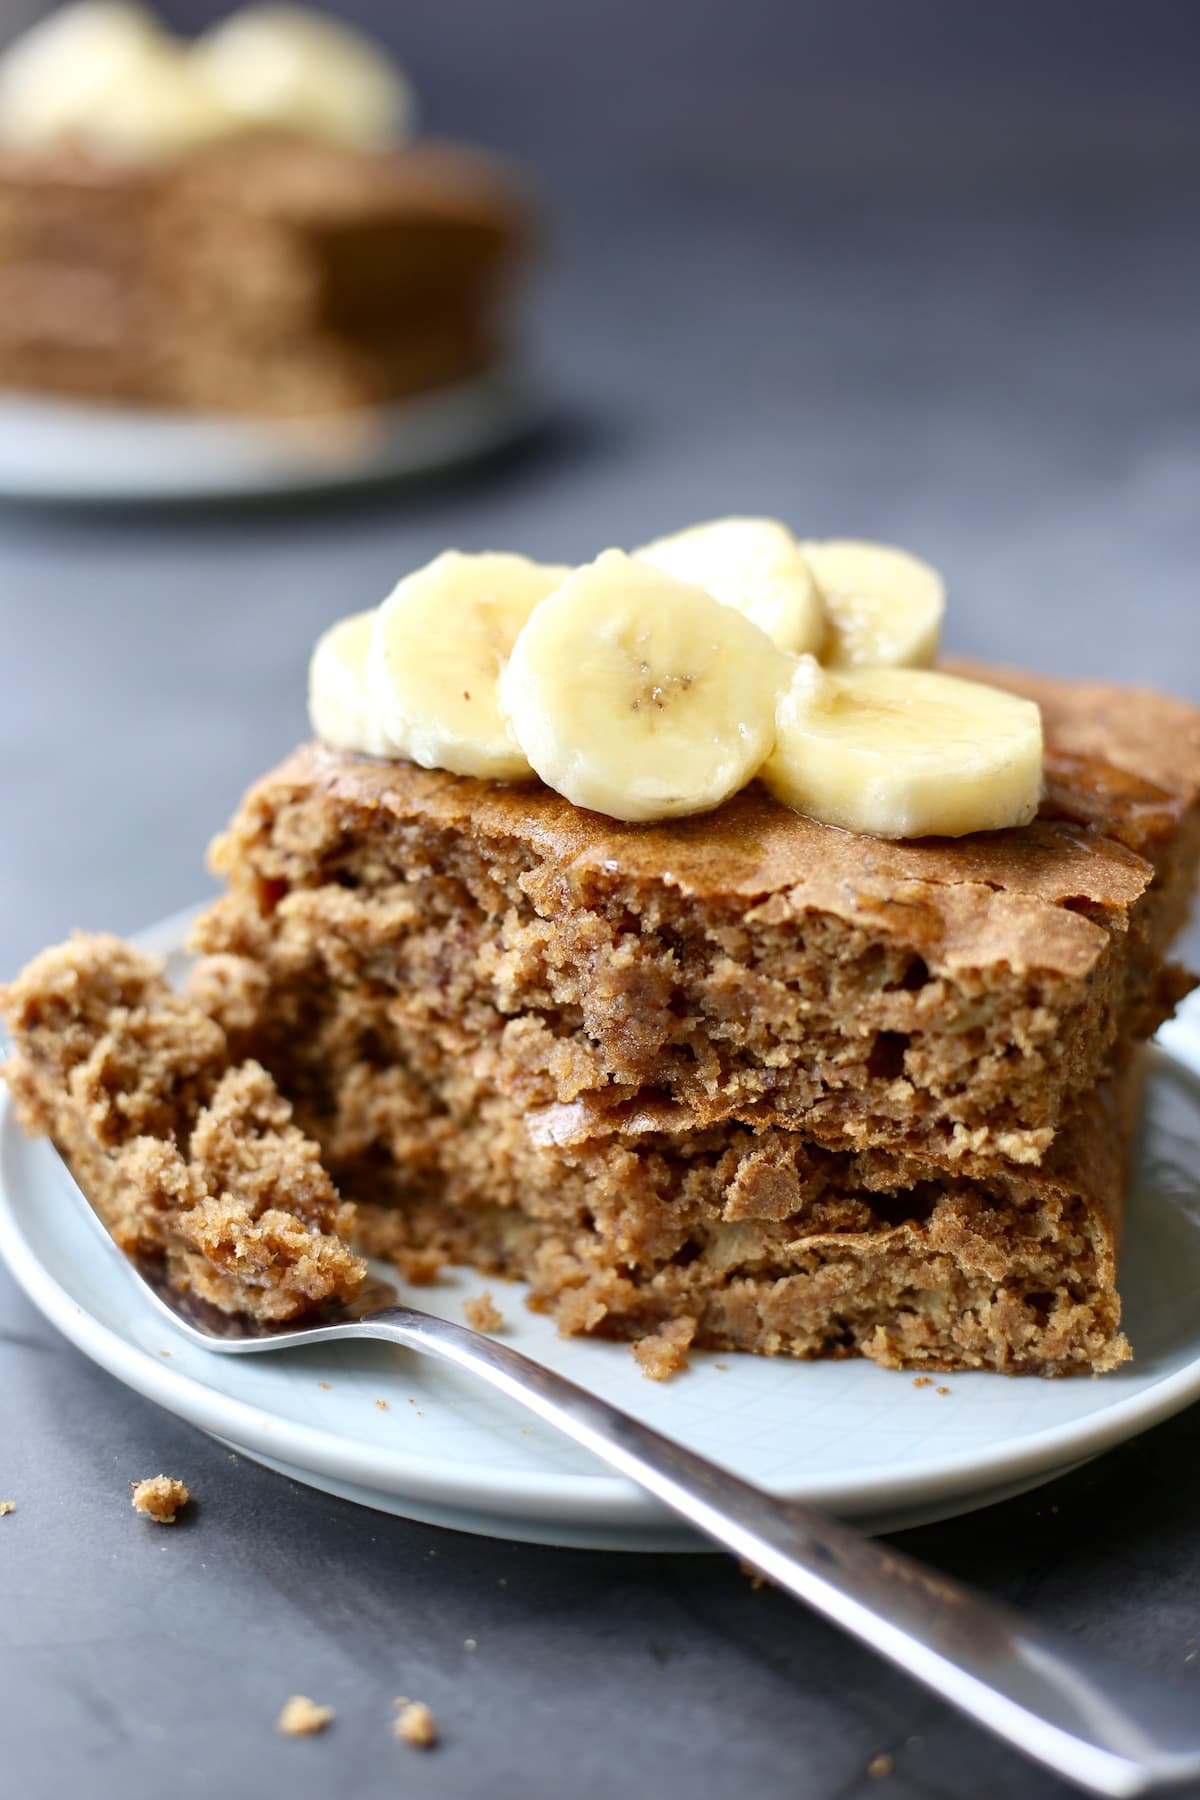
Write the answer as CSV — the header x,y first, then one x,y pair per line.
x,y
288,68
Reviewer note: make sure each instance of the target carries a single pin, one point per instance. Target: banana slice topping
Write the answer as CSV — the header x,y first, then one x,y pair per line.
x,y
753,565
904,753
883,606
339,704
639,696
657,684
441,639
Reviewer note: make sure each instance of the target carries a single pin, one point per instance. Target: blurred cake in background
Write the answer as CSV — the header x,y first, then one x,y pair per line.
x,y
242,223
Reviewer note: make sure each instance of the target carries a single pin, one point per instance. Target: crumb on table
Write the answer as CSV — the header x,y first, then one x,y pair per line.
x,y
880,1766
301,1717
415,1724
664,1353
943,1390
382,1405
160,1497
7,1506
482,1314
922,1381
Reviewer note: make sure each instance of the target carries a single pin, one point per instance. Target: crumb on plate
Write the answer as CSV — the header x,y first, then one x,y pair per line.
x,y
664,1353
482,1314
880,1766
160,1497
420,1267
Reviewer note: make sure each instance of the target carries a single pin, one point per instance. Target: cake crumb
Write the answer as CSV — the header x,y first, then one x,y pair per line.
x,y
7,1506
323,1384
880,1766
757,1578
943,1390
382,1405
415,1724
160,1497
665,1353
724,1367
302,1717
420,1267
922,1381
483,1314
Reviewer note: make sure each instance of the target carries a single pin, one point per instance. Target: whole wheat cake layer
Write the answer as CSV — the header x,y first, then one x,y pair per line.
x,y
751,1236
947,998
265,274
192,1159
740,1238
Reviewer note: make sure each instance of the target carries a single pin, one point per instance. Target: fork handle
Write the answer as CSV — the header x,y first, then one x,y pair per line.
x,y
1111,1729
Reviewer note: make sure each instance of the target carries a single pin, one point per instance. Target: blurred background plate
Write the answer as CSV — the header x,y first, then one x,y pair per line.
x,y
54,450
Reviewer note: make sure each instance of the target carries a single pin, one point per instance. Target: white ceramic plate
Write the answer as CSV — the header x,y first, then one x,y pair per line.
x,y
849,1437
56,450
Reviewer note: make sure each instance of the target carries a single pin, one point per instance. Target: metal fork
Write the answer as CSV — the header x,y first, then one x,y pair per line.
x,y
1109,1728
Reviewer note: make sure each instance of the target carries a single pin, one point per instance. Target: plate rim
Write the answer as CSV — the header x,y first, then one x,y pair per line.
x,y
582,1498
456,423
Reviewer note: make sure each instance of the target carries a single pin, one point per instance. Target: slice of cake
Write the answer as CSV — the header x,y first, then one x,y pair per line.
x,y
694,955
191,1159
820,1094
239,224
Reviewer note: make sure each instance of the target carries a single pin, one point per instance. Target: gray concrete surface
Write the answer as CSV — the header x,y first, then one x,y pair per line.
x,y
1006,379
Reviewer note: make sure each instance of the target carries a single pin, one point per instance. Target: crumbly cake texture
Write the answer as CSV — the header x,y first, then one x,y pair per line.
x,y
161,1497
191,1159
745,1076
263,275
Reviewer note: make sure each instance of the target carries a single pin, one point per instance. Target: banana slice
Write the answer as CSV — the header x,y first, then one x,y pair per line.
x,y
904,753
339,704
440,641
639,696
289,68
883,605
753,565
49,75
